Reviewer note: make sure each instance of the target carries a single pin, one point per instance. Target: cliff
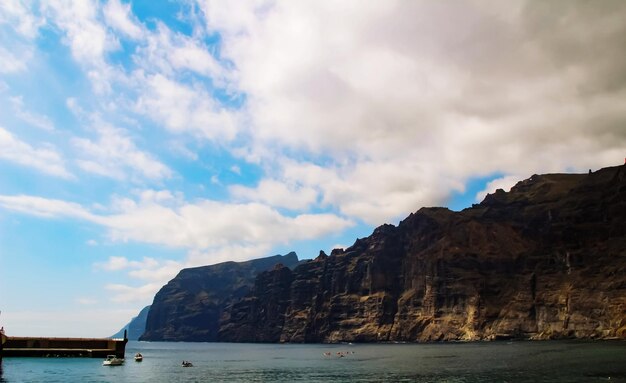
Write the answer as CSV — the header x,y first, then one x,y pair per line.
x,y
189,307
545,260
136,326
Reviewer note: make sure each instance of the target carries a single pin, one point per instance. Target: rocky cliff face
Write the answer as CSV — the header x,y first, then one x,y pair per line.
x,y
545,260
189,307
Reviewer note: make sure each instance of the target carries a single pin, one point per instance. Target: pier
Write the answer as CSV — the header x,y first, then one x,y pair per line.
x,y
62,347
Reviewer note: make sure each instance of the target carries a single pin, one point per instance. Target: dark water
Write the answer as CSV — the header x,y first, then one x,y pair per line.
x,y
225,362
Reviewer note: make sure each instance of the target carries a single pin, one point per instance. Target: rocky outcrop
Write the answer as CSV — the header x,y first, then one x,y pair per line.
x,y
545,260
135,328
189,307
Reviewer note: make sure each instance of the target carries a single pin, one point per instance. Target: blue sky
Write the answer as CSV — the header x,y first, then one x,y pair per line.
x,y
138,137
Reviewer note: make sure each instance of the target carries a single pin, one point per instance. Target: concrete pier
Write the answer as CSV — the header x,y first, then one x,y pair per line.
x,y
62,347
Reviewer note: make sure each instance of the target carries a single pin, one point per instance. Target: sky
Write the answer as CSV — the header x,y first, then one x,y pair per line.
x,y
138,138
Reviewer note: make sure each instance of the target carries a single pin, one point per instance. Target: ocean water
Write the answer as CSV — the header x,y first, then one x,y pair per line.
x,y
550,361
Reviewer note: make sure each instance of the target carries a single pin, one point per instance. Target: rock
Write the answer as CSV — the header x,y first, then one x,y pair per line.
x,y
189,307
261,316
546,260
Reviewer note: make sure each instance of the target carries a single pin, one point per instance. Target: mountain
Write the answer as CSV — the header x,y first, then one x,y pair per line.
x,y
189,307
546,260
135,327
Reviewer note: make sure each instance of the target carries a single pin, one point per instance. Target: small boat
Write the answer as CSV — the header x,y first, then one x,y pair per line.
x,y
138,357
187,364
113,360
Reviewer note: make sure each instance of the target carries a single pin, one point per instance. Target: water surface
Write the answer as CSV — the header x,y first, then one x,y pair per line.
x,y
550,361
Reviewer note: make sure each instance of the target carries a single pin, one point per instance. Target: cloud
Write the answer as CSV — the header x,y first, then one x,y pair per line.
x,y
45,159
18,29
202,225
209,224
45,207
160,272
233,252
157,272
85,35
277,194
505,183
114,155
11,63
17,14
90,41
375,192
185,109
37,120
86,301
120,263
125,293
235,169
180,149
402,111
114,263
119,16
168,52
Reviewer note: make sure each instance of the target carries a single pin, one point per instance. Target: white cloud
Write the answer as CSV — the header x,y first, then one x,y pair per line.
x,y
115,263
180,149
235,169
11,63
17,14
167,52
40,121
184,109
278,194
45,159
204,225
403,111
234,252
45,207
211,224
158,273
375,192
505,183
90,41
86,301
120,17
86,36
125,293
114,154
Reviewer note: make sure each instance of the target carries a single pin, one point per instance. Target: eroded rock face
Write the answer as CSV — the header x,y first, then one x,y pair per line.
x,y
189,307
545,260
260,317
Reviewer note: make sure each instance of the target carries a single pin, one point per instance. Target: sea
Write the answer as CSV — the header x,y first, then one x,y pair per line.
x,y
517,361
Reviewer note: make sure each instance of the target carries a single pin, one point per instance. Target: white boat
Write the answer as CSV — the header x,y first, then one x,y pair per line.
x,y
112,360
138,357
